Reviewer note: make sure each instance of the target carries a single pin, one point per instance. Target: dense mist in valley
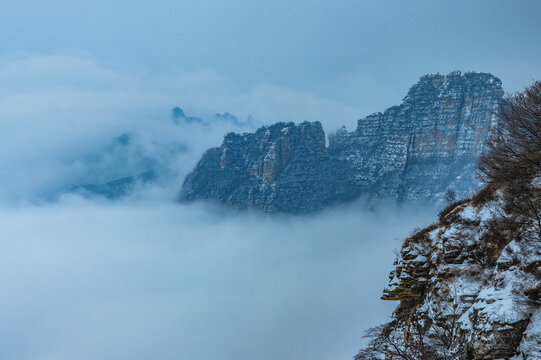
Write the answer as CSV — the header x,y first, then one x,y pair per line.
x,y
145,276
131,280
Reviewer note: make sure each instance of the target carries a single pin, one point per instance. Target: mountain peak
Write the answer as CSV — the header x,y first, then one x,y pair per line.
x,y
179,117
415,151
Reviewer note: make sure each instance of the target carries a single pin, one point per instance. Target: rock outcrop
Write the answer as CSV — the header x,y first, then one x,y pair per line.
x,y
280,167
469,287
415,151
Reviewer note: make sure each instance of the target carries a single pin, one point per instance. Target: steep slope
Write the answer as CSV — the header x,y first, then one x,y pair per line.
x,y
469,287
415,151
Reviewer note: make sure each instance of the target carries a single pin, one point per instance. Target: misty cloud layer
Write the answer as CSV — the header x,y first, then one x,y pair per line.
x,y
146,277
151,279
61,115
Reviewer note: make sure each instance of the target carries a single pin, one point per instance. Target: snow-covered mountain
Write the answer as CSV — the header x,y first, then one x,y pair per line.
x,y
415,151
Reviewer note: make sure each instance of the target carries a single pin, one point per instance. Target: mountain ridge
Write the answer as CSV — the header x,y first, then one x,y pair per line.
x,y
415,151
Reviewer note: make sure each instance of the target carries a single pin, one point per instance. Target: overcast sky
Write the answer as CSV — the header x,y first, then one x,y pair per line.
x,y
363,53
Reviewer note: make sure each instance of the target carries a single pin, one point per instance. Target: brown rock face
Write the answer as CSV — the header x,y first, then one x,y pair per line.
x,y
409,278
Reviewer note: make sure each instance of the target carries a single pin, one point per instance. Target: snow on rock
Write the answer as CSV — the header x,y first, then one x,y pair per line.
x,y
466,289
530,346
415,151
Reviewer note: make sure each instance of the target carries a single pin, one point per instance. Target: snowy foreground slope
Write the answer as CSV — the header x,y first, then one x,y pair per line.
x,y
469,287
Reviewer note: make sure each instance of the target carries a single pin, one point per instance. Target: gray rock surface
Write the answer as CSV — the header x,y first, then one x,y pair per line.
x,y
415,151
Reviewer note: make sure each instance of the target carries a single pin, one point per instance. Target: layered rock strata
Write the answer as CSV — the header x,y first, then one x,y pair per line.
x,y
415,151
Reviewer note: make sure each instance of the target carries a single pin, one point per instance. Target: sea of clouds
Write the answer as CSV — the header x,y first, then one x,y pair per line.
x,y
146,277
60,115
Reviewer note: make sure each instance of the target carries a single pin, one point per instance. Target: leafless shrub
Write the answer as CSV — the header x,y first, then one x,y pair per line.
x,y
389,343
445,331
513,161
514,150
449,196
420,336
448,209
485,195
421,339
420,236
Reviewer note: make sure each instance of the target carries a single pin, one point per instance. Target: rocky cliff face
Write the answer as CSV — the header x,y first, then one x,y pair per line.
x,y
414,151
280,167
469,287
